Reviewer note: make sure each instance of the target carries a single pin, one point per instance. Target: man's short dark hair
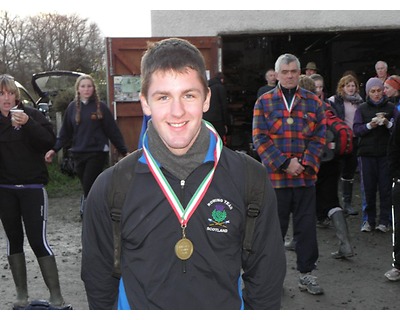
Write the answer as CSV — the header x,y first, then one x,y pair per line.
x,y
172,54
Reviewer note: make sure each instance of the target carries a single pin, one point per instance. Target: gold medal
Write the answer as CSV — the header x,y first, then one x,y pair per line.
x,y
290,120
184,249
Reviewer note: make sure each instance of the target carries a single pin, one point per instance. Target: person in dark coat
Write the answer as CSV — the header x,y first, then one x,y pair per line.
x,y
183,219
25,136
89,124
270,77
394,166
345,102
217,114
327,200
372,125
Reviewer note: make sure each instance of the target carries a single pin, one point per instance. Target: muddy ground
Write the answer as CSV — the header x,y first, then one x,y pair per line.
x,y
354,284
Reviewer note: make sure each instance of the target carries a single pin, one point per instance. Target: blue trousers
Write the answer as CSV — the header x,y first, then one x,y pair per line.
x,y
301,203
376,177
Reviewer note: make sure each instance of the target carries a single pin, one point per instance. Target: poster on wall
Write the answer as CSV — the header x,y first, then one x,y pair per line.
x,y
126,88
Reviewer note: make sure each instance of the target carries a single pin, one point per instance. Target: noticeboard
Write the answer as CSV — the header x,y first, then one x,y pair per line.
x,y
126,88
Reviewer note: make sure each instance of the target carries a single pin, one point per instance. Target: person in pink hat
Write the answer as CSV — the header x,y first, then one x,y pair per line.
x,y
391,89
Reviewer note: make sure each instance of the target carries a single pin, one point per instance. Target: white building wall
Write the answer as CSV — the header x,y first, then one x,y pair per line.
x,y
191,23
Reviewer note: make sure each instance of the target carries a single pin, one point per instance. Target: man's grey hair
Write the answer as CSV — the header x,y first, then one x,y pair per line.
x,y
384,63
286,58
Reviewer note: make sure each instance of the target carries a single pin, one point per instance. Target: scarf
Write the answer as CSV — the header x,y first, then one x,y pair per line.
x,y
180,166
376,103
354,99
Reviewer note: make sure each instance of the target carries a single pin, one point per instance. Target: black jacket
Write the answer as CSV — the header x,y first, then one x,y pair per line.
x,y
218,111
22,151
153,276
394,150
264,89
374,142
338,105
91,134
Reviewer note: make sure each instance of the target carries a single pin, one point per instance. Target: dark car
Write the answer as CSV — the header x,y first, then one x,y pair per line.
x,y
28,101
55,88
47,86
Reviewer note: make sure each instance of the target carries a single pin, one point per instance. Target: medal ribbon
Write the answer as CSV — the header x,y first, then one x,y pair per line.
x,y
289,108
184,215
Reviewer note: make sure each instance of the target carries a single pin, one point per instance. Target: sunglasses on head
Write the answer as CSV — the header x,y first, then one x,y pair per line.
x,y
6,76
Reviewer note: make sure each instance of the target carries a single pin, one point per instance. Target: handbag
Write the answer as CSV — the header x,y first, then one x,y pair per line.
x,y
67,165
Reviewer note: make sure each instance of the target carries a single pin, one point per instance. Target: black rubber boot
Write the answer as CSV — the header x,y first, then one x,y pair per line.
x,y
49,270
18,270
347,191
342,233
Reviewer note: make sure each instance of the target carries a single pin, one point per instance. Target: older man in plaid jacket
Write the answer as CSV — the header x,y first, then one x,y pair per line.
x,y
289,129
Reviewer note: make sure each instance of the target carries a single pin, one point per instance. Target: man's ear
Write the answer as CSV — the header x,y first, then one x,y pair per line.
x,y
145,107
206,103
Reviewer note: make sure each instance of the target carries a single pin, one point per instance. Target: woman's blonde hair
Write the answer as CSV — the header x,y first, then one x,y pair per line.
x,y
7,83
306,82
95,96
343,82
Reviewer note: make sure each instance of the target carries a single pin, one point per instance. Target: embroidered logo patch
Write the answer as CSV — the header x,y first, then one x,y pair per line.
x,y
218,222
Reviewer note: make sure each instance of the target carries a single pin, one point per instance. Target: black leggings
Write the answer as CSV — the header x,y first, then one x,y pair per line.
x,y
88,166
30,207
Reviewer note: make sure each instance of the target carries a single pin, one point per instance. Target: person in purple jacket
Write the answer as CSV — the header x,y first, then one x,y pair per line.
x,y
372,126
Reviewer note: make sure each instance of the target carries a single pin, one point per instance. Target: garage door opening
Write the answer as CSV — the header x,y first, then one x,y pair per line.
x,y
246,57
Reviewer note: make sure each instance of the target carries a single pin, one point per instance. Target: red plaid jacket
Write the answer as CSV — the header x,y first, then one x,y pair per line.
x,y
276,139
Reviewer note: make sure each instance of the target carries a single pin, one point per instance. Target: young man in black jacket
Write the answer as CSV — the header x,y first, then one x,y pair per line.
x,y
183,220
